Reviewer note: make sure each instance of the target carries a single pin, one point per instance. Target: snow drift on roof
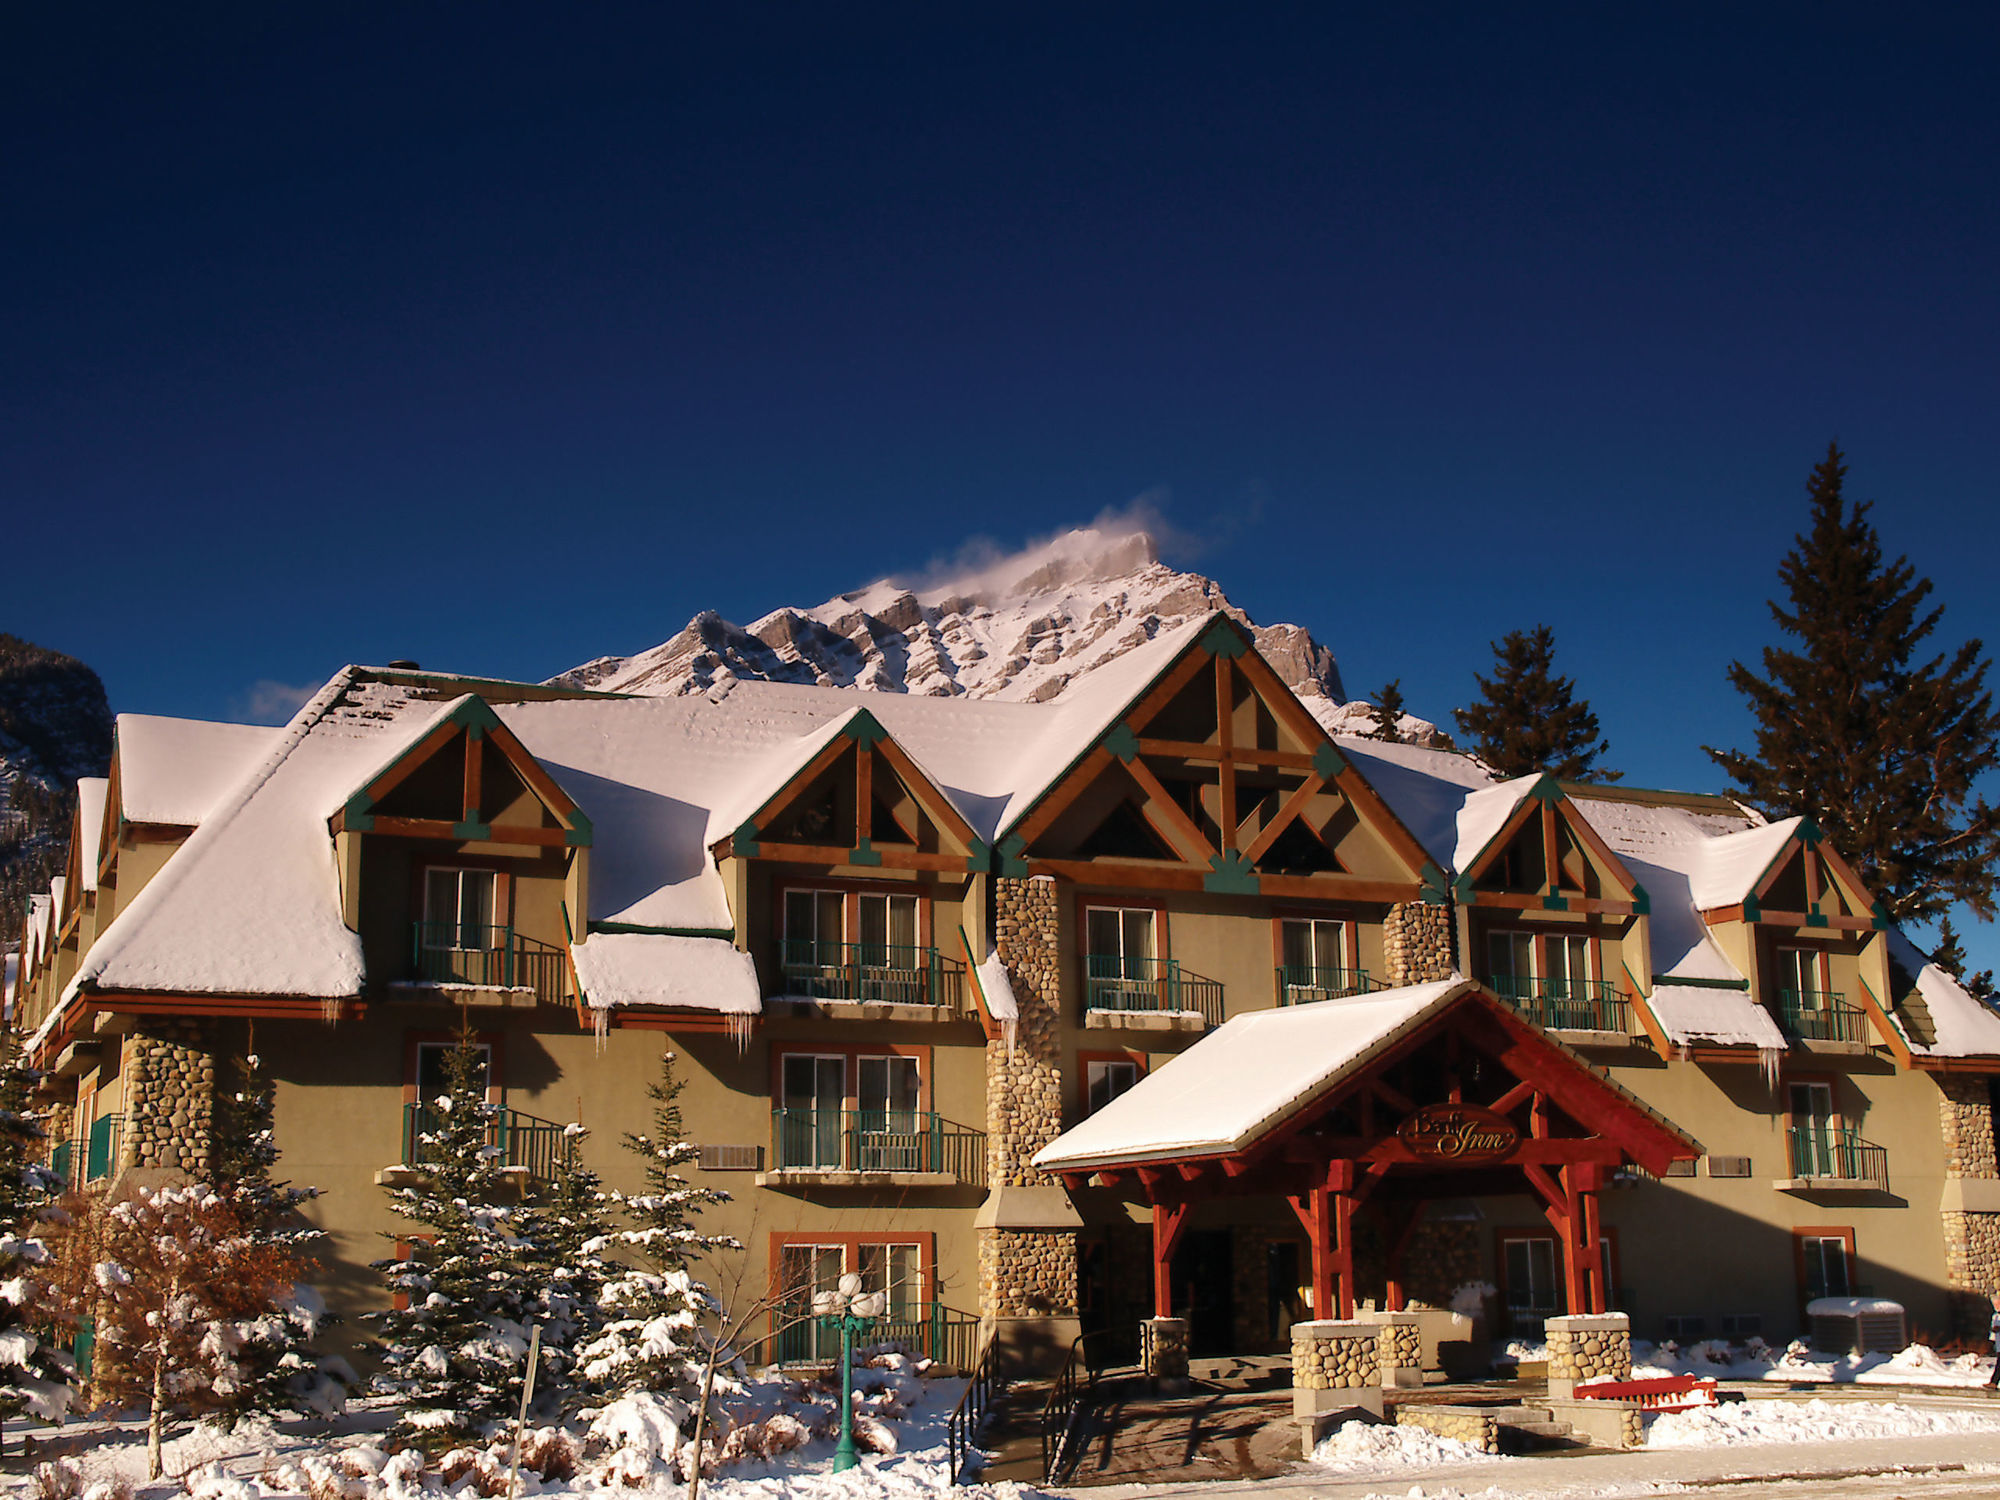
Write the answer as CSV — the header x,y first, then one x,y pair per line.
x,y
1966,1026
1242,1079
1699,1015
90,794
1425,788
1731,866
1483,814
174,770
655,970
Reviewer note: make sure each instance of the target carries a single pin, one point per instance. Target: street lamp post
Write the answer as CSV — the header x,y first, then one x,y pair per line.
x,y
851,1310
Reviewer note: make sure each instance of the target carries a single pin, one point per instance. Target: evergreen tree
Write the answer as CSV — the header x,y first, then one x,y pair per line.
x,y
36,1378
455,1351
567,1235
1881,750
1387,712
280,1369
653,1340
1528,719
1950,956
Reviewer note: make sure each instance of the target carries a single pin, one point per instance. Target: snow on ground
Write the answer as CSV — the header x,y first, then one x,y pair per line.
x,y
1796,1364
1368,1447
1751,1422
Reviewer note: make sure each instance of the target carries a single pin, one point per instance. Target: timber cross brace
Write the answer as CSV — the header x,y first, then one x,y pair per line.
x,y
1470,1102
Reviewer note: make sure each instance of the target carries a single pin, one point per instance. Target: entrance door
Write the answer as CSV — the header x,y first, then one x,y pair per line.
x,y
1815,1134
809,1130
1533,1284
1204,1277
805,1269
891,968
886,1123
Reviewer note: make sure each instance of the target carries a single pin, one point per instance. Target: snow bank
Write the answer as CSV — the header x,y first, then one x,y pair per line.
x,y
655,969
1361,1447
1814,1421
1755,1360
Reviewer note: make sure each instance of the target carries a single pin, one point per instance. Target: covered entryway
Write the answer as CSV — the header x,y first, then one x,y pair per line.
x,y
1373,1106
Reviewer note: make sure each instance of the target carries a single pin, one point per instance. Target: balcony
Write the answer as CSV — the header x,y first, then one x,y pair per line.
x,y
1822,1016
1302,984
873,1148
62,1162
1835,1157
101,1150
871,974
467,956
1567,1004
533,1149
1149,993
944,1335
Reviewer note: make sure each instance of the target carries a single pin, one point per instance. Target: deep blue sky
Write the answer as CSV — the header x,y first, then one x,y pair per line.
x,y
504,336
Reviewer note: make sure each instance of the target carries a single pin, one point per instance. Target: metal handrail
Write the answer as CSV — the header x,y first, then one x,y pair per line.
x,y
102,1152
1064,1406
974,1402
1838,1154
62,1162
892,973
1304,984
930,1330
541,1147
1566,1004
1112,981
1821,1016
483,956
877,1140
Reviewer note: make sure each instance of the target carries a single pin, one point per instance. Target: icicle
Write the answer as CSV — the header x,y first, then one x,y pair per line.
x,y
600,1026
1770,1059
330,1009
740,1024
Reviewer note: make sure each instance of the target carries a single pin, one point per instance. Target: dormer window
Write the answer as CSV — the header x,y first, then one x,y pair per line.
x,y
458,909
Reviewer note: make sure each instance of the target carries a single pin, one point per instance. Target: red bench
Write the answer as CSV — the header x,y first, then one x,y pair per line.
x,y
1662,1393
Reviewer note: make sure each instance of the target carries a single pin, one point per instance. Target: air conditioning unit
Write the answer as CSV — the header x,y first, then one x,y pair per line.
x,y
1858,1325
731,1158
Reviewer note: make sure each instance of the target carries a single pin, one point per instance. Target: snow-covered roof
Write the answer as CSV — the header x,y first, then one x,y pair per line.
x,y
1483,814
1730,866
1714,1016
624,969
1243,1079
174,770
90,794
1965,1026
1427,789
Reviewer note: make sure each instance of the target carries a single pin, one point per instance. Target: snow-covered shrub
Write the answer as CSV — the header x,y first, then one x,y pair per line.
x,y
36,1377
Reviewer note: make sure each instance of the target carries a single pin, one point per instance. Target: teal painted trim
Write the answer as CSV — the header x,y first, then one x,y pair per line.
x,y
1230,875
1461,888
471,831
644,931
579,838
579,822
1122,742
1882,922
1752,912
743,843
1221,639
1012,860
1547,789
864,853
1434,892
979,857
1815,919
360,805
1328,762
475,732
1809,833
1555,903
1642,904
1702,984
864,729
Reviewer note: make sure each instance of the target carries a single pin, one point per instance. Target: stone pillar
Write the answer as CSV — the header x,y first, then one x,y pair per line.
x,y
1163,1353
1417,943
1336,1367
1250,1289
1469,1424
1402,1347
169,1077
1971,1204
1027,1226
1592,1347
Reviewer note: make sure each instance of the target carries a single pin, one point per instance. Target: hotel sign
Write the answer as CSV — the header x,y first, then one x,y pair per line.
x,y
1458,1133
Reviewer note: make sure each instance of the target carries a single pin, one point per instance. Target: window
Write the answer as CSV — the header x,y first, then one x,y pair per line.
x,y
897,1263
1529,1265
1729,1166
1569,965
1679,1169
1122,969
853,1111
1564,962
1825,1260
1510,955
432,1062
1106,1076
809,1111
1802,974
1315,961
459,908
1685,1326
1816,1131
1742,1325
815,927
856,945
1123,934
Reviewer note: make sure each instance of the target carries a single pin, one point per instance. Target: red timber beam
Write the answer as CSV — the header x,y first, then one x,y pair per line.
x,y
1327,1212
1402,1229
1169,1219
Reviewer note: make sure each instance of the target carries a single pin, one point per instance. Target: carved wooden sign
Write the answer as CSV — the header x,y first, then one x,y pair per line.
x,y
1458,1133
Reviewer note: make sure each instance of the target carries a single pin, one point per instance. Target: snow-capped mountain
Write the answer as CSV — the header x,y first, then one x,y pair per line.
x,y
1018,630
55,726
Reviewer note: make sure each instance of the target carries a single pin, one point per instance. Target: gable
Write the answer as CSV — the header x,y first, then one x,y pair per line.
x,y
1216,778
1546,856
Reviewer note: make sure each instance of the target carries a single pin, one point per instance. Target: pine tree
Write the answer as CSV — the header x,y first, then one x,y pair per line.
x,y
1530,720
1950,956
36,1377
455,1351
1387,712
281,1370
1882,751
568,1234
653,1340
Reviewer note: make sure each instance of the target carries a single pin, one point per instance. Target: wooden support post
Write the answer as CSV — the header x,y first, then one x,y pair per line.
x,y
1315,1213
1339,1212
1169,1219
1399,1242
1590,1180
1576,1293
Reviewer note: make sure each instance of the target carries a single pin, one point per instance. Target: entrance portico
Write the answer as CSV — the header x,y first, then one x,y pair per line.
x,y
1378,1104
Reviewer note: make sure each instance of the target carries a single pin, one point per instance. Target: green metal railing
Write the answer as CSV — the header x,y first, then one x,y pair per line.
x,y
62,1162
931,1331
1302,984
895,973
540,1146
1838,1154
1566,1004
486,957
102,1153
1821,1016
877,1140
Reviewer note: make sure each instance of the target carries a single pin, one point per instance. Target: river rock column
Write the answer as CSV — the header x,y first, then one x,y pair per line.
x,y
1417,943
1971,1207
1027,1226
169,1100
1163,1352
1402,1346
1336,1367
1587,1347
